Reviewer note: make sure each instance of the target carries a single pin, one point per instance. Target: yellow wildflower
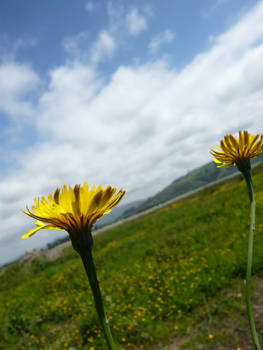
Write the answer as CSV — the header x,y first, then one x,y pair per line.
x,y
73,210
238,151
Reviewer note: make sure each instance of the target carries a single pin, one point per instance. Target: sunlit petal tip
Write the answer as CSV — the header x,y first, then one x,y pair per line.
x,y
56,196
30,233
27,211
216,160
76,192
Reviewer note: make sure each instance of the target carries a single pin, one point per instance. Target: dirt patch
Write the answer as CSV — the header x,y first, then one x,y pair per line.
x,y
50,255
28,258
174,344
53,254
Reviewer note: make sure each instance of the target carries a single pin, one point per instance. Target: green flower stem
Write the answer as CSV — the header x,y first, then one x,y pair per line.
x,y
250,258
94,284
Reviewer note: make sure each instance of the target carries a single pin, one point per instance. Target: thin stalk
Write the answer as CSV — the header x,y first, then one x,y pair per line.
x,y
94,284
250,259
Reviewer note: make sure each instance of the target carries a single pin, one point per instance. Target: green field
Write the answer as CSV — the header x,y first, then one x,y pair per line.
x,y
175,274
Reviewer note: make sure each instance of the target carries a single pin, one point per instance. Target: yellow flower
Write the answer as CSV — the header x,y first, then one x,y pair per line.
x,y
238,152
73,210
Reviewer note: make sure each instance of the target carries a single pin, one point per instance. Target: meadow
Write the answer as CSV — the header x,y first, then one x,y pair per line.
x,y
172,275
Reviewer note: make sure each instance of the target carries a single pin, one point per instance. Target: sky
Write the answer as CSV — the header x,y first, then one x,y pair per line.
x,y
131,94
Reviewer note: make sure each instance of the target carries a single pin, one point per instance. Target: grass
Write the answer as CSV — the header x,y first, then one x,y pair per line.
x,y
171,273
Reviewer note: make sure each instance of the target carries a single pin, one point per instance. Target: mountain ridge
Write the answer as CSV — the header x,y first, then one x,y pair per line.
x,y
193,180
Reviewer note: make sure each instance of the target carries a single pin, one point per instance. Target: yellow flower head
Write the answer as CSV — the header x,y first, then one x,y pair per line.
x,y
73,210
238,152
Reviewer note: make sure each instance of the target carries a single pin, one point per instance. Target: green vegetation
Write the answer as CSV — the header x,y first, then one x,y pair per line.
x,y
175,272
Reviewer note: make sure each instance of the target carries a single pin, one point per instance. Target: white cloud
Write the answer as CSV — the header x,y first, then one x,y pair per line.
x,y
79,49
17,81
89,6
116,13
141,129
136,22
215,4
103,48
9,49
148,10
24,42
163,38
76,45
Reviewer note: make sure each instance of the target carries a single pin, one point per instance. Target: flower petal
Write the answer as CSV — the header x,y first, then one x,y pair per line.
x,y
40,226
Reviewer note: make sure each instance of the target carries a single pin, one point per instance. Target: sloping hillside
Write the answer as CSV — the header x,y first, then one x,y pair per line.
x,y
194,179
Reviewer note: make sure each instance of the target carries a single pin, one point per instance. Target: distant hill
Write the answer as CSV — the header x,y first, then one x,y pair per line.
x,y
194,179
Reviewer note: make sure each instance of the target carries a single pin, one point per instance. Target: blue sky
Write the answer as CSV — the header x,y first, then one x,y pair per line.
x,y
128,93
36,30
